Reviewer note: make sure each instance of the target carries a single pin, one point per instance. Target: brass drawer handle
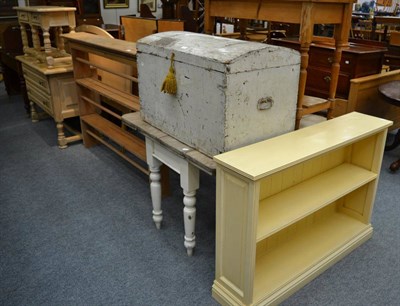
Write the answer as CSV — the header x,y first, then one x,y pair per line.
x,y
327,79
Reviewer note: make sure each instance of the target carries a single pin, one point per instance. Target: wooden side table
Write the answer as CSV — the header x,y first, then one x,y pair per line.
x,y
43,18
307,13
391,94
186,161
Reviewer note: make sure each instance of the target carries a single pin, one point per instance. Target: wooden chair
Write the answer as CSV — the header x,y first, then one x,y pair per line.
x,y
137,27
164,25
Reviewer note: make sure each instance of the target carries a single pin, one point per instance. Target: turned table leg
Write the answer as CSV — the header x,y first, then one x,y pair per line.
x,y
62,141
155,183
155,191
395,166
189,219
190,182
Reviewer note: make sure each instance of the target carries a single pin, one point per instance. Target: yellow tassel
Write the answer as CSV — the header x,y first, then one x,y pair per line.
x,y
169,85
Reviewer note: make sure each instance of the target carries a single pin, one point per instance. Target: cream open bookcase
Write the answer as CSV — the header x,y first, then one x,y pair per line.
x,y
291,206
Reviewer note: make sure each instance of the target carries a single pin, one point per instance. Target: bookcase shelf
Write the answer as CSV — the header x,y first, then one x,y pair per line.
x,y
307,252
127,100
294,203
291,206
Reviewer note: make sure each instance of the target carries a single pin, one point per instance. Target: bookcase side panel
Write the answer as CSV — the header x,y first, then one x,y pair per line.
x,y
237,208
368,154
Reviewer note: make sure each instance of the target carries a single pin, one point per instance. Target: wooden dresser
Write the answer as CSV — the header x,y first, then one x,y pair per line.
x,y
357,61
54,91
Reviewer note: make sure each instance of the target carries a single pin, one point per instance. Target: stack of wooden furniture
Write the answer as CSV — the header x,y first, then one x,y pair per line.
x,y
87,12
47,69
105,73
307,14
282,219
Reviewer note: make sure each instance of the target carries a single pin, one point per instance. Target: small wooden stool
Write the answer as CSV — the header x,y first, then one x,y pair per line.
x,y
391,93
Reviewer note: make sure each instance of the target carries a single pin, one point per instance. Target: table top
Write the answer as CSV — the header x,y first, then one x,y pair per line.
x,y
391,92
266,157
43,68
44,9
200,160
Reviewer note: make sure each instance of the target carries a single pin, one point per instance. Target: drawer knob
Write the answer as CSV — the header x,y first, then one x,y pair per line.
x,y
327,79
330,60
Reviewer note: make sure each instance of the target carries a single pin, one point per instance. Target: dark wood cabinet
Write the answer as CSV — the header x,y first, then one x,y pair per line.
x,y
392,57
357,60
88,12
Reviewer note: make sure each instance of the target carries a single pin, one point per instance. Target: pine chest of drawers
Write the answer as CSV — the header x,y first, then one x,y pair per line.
x,y
54,91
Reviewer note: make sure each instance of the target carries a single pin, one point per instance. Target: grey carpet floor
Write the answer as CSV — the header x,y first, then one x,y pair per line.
x,y
76,229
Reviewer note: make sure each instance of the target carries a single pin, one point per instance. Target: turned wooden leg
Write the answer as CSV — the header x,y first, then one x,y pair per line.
x,y
35,38
34,114
155,182
155,190
62,141
190,182
395,142
24,38
189,217
395,166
